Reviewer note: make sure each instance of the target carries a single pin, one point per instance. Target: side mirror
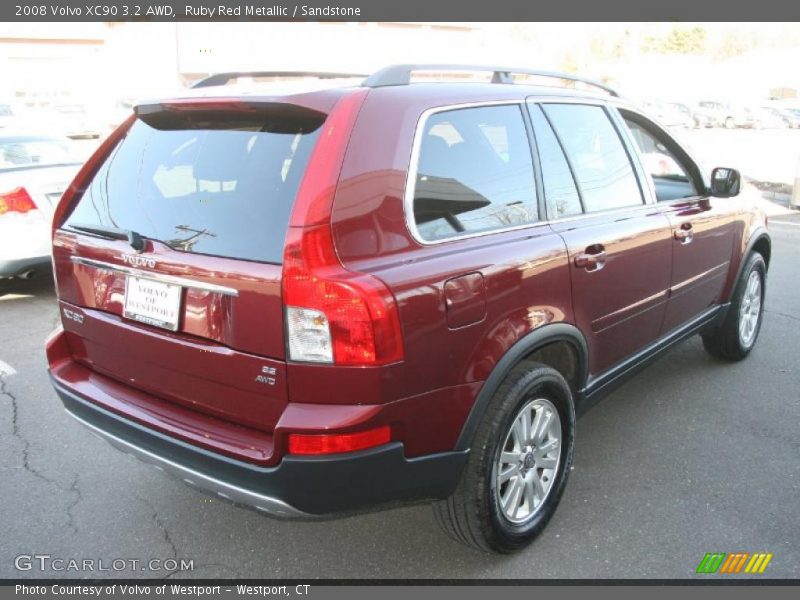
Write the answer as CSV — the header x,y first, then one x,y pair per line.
x,y
725,183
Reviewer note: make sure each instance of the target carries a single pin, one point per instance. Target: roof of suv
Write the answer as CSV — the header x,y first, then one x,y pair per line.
x,y
293,86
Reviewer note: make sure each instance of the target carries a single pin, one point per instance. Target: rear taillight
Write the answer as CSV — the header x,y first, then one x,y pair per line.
x,y
338,442
333,315
16,201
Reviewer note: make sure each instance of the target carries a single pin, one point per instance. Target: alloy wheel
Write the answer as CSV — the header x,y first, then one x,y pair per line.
x,y
529,461
750,310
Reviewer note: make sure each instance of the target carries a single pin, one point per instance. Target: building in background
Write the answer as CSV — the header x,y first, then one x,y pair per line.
x,y
51,72
103,66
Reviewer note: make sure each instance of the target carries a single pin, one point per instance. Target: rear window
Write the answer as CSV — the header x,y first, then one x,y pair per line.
x,y
208,184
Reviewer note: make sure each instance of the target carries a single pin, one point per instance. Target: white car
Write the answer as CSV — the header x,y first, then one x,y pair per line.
x,y
6,115
34,172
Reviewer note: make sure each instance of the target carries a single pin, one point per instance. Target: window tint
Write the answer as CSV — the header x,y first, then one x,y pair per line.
x,y
475,173
671,179
560,192
217,186
605,176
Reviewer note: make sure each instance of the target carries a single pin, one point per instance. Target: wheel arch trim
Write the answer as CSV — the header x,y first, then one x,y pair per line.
x,y
533,341
759,234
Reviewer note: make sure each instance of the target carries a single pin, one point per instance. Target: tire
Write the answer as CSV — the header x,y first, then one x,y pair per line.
x,y
473,514
734,339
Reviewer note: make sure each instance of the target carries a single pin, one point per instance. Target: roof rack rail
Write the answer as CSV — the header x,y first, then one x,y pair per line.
x,y
224,78
401,75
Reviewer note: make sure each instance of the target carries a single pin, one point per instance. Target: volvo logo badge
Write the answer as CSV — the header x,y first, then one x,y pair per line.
x,y
139,261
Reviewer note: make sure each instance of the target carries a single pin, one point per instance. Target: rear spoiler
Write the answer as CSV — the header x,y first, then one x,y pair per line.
x,y
219,79
204,113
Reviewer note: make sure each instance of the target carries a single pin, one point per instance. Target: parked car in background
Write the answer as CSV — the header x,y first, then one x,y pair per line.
x,y
729,115
788,117
708,116
792,110
696,118
295,303
668,114
34,172
767,119
7,116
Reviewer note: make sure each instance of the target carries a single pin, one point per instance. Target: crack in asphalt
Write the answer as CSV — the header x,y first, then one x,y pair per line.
x,y
174,548
15,431
26,451
164,532
78,498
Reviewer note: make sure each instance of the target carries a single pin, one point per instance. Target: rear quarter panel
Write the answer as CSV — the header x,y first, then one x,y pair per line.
x,y
525,271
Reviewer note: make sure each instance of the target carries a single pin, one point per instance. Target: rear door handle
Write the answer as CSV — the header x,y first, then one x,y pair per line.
x,y
592,259
684,234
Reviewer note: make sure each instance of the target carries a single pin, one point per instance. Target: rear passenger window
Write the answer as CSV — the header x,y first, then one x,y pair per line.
x,y
474,173
601,165
560,192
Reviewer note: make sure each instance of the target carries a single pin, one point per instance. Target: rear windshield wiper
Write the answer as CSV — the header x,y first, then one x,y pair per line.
x,y
113,233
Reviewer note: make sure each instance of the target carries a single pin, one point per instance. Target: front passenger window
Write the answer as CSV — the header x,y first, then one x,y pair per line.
x,y
671,179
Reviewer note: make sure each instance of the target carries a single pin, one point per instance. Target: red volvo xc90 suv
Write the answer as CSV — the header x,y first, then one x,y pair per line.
x,y
317,301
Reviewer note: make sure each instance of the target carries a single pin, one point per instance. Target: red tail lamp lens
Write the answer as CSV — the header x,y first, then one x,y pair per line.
x,y
17,200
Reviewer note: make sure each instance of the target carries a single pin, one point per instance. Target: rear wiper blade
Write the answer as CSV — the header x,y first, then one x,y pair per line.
x,y
113,233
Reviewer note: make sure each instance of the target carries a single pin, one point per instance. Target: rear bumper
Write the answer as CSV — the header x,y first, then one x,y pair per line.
x,y
298,487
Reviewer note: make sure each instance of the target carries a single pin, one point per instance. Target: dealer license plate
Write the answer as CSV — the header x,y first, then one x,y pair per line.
x,y
152,302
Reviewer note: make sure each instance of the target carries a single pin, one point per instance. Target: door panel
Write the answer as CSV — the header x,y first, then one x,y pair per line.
x,y
620,251
702,227
703,233
619,301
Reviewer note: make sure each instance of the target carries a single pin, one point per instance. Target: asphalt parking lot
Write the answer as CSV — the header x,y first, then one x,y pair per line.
x,y
692,456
